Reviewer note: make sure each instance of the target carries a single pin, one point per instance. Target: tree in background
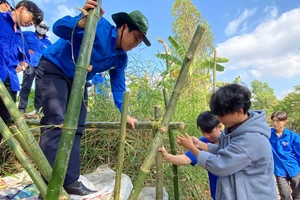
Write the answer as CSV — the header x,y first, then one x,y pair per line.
x,y
263,96
186,17
291,105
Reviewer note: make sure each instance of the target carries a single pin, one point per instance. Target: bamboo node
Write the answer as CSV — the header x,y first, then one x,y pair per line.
x,y
163,130
146,171
190,57
89,68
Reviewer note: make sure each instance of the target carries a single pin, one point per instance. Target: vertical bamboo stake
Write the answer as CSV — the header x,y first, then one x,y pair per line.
x,y
74,105
159,160
30,145
173,151
215,70
21,156
157,141
121,146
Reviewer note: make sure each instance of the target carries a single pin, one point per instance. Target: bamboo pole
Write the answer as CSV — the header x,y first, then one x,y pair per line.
x,y
30,145
121,146
117,125
74,105
173,151
157,141
215,70
21,156
159,160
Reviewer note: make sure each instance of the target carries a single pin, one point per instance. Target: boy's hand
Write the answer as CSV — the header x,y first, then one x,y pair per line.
x,y
130,120
163,151
185,141
90,4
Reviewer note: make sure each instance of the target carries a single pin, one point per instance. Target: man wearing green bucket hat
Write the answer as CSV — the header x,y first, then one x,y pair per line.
x,y
56,71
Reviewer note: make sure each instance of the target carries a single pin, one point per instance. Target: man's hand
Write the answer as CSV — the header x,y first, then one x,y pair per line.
x,y
163,151
90,4
199,144
21,66
130,120
185,141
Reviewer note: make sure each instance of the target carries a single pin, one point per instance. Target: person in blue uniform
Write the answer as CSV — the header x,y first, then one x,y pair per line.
x,y
99,85
286,152
109,52
36,41
243,158
210,128
5,6
13,56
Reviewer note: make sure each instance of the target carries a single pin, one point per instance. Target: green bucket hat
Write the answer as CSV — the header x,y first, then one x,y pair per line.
x,y
135,18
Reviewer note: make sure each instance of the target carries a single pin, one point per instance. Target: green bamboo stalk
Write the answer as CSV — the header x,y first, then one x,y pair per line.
x,y
215,71
21,156
121,146
74,105
159,160
117,125
173,151
157,141
35,151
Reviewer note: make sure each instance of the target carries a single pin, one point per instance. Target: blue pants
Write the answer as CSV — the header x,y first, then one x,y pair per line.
x,y
54,88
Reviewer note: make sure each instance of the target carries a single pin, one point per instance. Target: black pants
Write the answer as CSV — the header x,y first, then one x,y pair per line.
x,y
4,114
28,77
55,87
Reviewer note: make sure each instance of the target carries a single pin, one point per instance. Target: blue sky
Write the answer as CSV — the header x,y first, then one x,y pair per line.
x,y
260,37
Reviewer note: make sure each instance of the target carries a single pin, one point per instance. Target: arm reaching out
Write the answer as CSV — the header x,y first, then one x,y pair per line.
x,y
174,159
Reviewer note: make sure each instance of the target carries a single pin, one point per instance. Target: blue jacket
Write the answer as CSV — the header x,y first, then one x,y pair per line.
x,y
12,50
212,178
100,84
104,54
286,153
37,45
243,161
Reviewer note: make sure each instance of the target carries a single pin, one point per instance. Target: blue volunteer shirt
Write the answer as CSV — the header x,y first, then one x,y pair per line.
x,y
37,45
286,153
12,50
104,54
100,84
212,178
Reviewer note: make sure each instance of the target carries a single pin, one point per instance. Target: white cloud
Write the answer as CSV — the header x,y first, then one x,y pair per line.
x,y
271,11
233,26
63,10
270,50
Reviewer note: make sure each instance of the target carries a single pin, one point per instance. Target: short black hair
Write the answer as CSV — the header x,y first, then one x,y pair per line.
x,y
207,121
229,99
281,115
34,9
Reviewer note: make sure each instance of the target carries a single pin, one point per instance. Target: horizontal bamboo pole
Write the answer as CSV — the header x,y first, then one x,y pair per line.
x,y
117,125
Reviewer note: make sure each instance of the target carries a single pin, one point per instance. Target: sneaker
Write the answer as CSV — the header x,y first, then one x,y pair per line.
x,y
78,188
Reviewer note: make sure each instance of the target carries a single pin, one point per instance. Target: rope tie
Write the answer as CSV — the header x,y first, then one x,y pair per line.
x,y
67,128
88,68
